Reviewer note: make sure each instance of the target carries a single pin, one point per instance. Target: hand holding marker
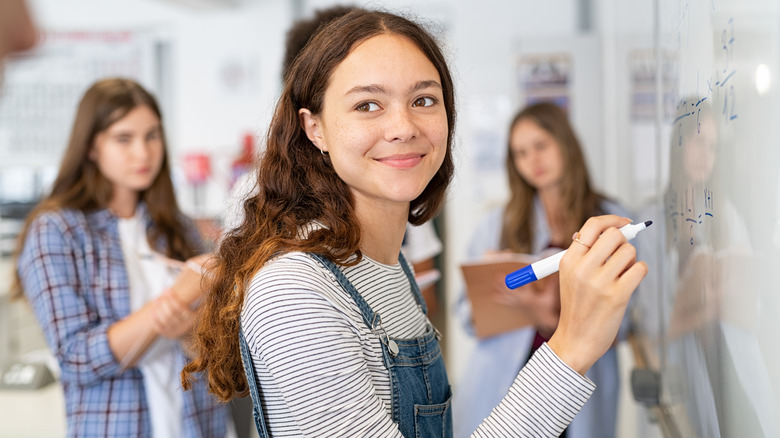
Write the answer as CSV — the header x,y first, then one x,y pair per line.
x,y
549,265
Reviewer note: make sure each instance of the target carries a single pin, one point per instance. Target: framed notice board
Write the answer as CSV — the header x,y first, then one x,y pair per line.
x,y
41,89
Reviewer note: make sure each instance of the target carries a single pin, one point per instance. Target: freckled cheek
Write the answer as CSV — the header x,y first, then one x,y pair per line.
x,y
348,138
437,133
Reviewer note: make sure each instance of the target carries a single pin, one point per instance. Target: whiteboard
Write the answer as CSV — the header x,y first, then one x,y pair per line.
x,y
708,314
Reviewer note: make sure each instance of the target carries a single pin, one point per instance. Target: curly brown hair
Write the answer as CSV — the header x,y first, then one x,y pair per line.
x,y
297,187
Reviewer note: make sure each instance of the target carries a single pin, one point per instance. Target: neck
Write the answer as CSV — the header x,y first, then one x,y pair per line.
x,y
123,203
382,233
551,202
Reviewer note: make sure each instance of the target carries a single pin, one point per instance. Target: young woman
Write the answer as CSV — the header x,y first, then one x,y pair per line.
x,y
98,261
550,198
311,288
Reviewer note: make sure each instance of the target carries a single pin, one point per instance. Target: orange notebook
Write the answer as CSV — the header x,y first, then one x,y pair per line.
x,y
490,318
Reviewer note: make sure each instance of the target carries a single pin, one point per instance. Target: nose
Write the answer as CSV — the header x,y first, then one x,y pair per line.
x,y
534,156
141,149
401,126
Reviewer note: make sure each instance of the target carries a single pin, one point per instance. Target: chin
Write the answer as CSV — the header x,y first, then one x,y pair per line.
x,y
404,195
142,187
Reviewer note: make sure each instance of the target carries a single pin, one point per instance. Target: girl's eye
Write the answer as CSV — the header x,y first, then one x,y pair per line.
x,y
155,135
424,101
124,139
368,107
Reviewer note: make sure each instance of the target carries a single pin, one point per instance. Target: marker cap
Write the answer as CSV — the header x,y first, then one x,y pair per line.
x,y
520,277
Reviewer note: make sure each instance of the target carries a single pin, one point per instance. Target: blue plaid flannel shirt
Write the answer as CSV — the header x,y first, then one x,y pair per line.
x,y
73,273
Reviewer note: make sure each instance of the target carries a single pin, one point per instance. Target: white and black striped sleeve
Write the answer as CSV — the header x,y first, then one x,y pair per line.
x,y
542,401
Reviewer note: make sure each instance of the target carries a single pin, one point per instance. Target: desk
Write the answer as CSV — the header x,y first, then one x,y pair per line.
x,y
6,271
33,414
25,413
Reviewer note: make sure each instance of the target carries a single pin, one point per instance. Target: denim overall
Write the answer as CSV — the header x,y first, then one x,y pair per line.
x,y
421,391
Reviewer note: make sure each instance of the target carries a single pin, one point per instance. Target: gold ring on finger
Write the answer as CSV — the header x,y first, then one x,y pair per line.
x,y
576,238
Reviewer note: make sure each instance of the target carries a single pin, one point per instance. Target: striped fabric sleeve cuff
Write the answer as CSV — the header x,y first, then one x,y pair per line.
x,y
542,401
579,384
558,390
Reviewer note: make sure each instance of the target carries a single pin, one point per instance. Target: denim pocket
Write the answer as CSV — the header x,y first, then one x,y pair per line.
x,y
433,420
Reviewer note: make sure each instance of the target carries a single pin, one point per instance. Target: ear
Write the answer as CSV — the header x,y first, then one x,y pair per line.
x,y
311,125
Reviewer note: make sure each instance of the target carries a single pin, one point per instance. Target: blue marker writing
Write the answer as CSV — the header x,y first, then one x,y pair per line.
x,y
550,265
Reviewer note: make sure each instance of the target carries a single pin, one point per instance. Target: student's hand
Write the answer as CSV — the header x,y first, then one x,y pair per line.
x,y
171,317
596,284
189,286
540,301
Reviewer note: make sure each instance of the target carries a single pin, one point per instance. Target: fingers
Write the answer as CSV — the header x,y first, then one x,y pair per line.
x,y
171,317
598,276
202,264
597,242
188,286
595,227
631,278
202,259
620,260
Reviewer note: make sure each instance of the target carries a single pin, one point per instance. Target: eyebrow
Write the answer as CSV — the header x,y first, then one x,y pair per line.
x,y
376,88
155,128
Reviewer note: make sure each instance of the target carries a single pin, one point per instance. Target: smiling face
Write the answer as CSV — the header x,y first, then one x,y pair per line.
x,y
129,154
536,155
383,122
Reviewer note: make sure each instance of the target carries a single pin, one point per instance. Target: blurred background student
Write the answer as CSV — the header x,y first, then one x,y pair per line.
x,y
108,263
550,198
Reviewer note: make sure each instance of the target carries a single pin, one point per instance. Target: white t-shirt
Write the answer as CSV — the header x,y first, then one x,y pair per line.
x,y
148,278
421,243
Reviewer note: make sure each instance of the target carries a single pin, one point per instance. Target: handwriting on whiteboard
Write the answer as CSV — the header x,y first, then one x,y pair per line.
x,y
719,83
688,211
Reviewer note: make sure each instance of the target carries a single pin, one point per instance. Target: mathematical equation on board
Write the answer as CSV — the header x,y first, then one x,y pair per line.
x,y
719,84
690,211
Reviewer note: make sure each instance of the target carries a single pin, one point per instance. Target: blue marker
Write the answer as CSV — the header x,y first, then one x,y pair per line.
x,y
550,265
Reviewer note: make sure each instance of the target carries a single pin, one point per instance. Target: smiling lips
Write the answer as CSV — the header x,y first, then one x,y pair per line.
x,y
405,161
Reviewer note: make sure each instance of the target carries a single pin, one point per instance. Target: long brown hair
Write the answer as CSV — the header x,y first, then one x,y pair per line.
x,y
579,199
297,186
80,185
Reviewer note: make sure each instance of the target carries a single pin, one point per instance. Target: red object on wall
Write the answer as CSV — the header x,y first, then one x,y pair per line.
x,y
197,167
243,163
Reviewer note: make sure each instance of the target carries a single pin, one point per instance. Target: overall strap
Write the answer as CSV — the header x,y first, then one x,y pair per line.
x,y
369,317
254,391
415,288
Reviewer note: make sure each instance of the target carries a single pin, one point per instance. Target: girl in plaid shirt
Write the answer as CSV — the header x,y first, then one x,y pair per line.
x,y
102,261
